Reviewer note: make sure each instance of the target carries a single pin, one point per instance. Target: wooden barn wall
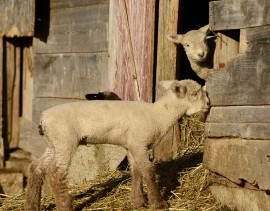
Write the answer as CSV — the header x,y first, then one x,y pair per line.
x,y
237,127
131,49
70,51
16,26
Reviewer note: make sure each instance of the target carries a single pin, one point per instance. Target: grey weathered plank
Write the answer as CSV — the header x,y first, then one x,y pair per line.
x,y
80,29
239,160
57,4
232,14
246,80
17,17
239,114
241,130
70,75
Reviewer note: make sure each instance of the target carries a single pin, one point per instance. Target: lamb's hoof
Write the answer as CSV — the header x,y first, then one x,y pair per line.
x,y
160,206
139,202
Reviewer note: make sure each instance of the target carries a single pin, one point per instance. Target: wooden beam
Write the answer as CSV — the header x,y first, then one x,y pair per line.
x,y
231,14
166,70
239,160
166,51
2,144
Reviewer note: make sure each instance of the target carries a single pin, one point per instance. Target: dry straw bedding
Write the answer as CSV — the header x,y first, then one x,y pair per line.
x,y
183,182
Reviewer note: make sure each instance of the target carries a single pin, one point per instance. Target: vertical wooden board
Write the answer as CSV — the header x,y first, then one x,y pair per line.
x,y
27,81
166,51
131,49
17,17
246,80
231,14
2,145
12,92
79,29
70,75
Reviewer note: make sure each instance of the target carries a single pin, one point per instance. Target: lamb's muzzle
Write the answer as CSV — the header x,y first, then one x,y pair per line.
x,y
136,126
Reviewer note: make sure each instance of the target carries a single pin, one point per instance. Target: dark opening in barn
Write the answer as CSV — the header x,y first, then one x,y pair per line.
x,y
193,14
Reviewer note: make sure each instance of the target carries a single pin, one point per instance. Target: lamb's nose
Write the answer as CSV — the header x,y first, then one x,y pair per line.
x,y
201,54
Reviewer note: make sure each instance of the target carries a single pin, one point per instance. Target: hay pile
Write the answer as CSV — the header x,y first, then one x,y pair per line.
x,y
183,182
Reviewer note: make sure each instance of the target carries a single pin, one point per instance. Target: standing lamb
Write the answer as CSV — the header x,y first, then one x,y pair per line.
x,y
196,45
136,126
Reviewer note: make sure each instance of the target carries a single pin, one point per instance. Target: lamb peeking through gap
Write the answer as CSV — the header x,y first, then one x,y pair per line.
x,y
136,126
196,44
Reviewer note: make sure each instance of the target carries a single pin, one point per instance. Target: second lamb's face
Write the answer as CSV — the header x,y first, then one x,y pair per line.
x,y
195,43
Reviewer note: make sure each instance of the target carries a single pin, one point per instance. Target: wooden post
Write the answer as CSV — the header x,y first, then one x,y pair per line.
x,y
2,145
166,70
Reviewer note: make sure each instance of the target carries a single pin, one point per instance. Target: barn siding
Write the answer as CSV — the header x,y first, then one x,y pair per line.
x,y
70,59
131,53
238,125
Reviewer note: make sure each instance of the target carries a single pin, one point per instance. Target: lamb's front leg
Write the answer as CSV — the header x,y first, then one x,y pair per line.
x,y
137,195
147,170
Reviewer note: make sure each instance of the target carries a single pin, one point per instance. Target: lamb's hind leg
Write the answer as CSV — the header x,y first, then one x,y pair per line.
x,y
37,173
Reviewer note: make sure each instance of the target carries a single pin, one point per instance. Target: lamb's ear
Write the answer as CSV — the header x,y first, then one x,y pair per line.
x,y
175,38
179,89
166,84
205,29
204,88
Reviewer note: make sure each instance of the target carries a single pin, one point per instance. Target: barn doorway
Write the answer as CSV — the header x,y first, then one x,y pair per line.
x,y
193,14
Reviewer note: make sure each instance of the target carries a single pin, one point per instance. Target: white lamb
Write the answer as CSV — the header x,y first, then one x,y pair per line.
x,y
196,45
136,126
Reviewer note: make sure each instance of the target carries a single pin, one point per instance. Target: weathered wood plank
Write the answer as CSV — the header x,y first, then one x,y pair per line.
x,y
131,49
27,80
166,70
12,92
239,114
80,29
241,199
58,4
246,80
82,73
2,144
239,160
166,51
231,14
17,17
243,130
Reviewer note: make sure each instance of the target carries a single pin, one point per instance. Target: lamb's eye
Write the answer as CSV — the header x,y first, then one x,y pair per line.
x,y
186,44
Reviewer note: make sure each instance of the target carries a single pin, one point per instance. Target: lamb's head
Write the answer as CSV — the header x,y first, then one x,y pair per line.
x,y
194,43
188,94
